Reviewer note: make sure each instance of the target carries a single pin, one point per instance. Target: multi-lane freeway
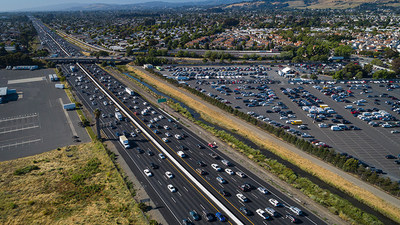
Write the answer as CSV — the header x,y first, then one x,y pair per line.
x,y
204,181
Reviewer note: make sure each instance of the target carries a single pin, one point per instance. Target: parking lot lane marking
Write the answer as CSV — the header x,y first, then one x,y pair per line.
x,y
173,199
18,117
159,182
185,188
202,206
20,143
26,80
68,119
19,129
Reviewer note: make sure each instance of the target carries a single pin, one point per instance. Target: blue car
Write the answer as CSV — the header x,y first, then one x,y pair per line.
x,y
220,217
117,134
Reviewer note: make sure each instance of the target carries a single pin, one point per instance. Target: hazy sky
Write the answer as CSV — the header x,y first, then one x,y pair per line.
x,y
12,5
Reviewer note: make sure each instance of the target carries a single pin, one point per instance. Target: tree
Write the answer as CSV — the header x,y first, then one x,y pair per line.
x,y
97,113
396,66
383,74
390,53
314,77
377,62
343,50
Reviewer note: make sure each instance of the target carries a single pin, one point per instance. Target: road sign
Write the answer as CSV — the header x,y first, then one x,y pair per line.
x,y
161,100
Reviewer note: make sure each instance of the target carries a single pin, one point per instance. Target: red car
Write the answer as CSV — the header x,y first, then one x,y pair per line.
x,y
211,145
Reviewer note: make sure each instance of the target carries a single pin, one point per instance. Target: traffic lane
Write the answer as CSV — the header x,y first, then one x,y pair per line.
x,y
184,188
257,201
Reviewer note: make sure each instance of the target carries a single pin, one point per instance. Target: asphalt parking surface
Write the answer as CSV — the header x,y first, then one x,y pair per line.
x,y
370,144
36,122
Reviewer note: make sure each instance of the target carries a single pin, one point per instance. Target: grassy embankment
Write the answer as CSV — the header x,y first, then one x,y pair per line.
x,y
222,120
71,185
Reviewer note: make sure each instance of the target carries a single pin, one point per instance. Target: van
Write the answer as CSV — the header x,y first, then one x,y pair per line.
x,y
336,128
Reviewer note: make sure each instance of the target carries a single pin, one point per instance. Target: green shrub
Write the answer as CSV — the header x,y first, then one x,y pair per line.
x,y
26,170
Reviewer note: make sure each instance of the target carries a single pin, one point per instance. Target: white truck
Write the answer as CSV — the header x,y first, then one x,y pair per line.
x,y
124,141
129,91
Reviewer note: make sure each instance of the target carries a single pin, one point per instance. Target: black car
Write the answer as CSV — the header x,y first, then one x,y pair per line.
x,y
200,146
224,193
246,211
182,147
139,150
208,216
390,157
201,163
150,153
154,166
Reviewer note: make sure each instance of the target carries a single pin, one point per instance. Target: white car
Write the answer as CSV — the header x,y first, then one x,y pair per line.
x,y
241,174
168,134
296,210
274,202
171,188
262,213
148,173
262,190
181,154
229,171
242,198
395,131
323,125
169,175
162,156
216,167
166,127
165,140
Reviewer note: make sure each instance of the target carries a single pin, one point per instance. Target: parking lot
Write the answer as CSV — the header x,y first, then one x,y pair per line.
x,y
319,109
36,122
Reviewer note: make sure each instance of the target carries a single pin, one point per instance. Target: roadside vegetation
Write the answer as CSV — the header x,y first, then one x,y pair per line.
x,y
327,176
70,185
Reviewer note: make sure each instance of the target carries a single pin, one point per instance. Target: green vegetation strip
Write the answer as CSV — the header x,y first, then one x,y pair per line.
x,y
334,203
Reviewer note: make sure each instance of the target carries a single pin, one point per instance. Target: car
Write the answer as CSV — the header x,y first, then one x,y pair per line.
x,y
201,163
216,167
150,153
271,212
221,180
165,140
208,216
220,217
229,171
169,174
291,218
139,150
244,187
262,213
181,154
117,134
263,190
211,145
171,188
186,222
275,202
199,146
296,210
154,166
148,172
133,134
156,131
213,155
201,171
390,156
395,131
241,174
194,215
226,162
245,211
162,156
242,198
224,192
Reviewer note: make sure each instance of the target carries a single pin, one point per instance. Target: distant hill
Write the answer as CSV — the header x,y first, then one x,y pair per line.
x,y
136,6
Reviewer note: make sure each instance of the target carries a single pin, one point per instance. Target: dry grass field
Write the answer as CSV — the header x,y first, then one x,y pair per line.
x,y
229,123
71,185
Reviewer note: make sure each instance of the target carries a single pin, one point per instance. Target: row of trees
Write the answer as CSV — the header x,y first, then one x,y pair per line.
x,y
329,155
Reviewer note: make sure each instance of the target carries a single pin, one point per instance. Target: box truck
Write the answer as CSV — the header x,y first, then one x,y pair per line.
x,y
124,141
69,106
129,91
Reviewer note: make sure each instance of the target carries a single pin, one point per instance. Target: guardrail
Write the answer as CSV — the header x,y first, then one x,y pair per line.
x,y
190,176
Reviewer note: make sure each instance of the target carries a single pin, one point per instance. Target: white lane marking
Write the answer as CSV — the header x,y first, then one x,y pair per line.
x,y
20,143
173,199
19,129
26,80
20,117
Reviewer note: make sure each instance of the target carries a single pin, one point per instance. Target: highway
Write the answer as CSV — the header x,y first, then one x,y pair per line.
x,y
97,89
